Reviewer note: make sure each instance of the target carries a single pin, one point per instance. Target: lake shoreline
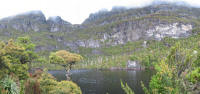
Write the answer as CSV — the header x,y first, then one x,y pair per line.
x,y
112,68
102,81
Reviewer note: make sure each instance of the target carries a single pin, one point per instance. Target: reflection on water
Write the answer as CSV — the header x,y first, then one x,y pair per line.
x,y
106,81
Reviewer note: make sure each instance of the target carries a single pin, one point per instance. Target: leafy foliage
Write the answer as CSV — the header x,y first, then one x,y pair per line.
x,y
163,82
126,88
171,71
194,76
64,57
47,82
8,86
29,49
66,87
13,59
42,82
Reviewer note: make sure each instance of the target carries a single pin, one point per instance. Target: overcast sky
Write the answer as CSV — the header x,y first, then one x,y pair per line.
x,y
74,11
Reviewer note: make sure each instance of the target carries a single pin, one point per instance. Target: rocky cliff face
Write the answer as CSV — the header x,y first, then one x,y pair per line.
x,y
30,21
35,21
133,32
57,24
105,28
151,22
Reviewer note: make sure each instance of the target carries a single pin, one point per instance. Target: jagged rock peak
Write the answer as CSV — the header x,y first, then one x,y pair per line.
x,y
35,15
57,20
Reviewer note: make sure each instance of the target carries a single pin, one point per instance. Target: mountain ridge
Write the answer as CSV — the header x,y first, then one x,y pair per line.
x,y
104,29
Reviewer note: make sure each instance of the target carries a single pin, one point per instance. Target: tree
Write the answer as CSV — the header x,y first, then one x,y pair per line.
x,y
13,59
66,59
29,48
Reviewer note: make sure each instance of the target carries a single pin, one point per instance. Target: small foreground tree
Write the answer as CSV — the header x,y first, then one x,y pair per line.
x,y
65,59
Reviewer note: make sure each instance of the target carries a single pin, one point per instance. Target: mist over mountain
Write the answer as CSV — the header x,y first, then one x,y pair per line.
x,y
104,28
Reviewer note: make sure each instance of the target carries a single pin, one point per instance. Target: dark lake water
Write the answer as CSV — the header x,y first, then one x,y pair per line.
x,y
107,81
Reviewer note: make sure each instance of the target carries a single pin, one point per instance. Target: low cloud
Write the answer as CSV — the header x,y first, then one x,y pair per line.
x,y
76,11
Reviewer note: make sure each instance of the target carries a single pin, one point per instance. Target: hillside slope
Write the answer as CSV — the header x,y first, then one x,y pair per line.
x,y
103,30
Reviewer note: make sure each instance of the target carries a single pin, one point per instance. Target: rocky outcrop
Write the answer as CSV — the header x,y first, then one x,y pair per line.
x,y
30,21
35,21
88,43
133,64
133,31
57,24
174,30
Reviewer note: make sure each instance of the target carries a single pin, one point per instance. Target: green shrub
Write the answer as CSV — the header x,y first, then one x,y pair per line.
x,y
48,85
163,82
194,76
126,88
168,78
195,30
66,87
8,86
197,62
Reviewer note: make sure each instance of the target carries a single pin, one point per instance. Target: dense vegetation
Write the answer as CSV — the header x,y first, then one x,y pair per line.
x,y
176,61
17,76
152,54
177,69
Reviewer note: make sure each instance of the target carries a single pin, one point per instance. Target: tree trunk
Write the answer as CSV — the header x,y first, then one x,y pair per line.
x,y
67,70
